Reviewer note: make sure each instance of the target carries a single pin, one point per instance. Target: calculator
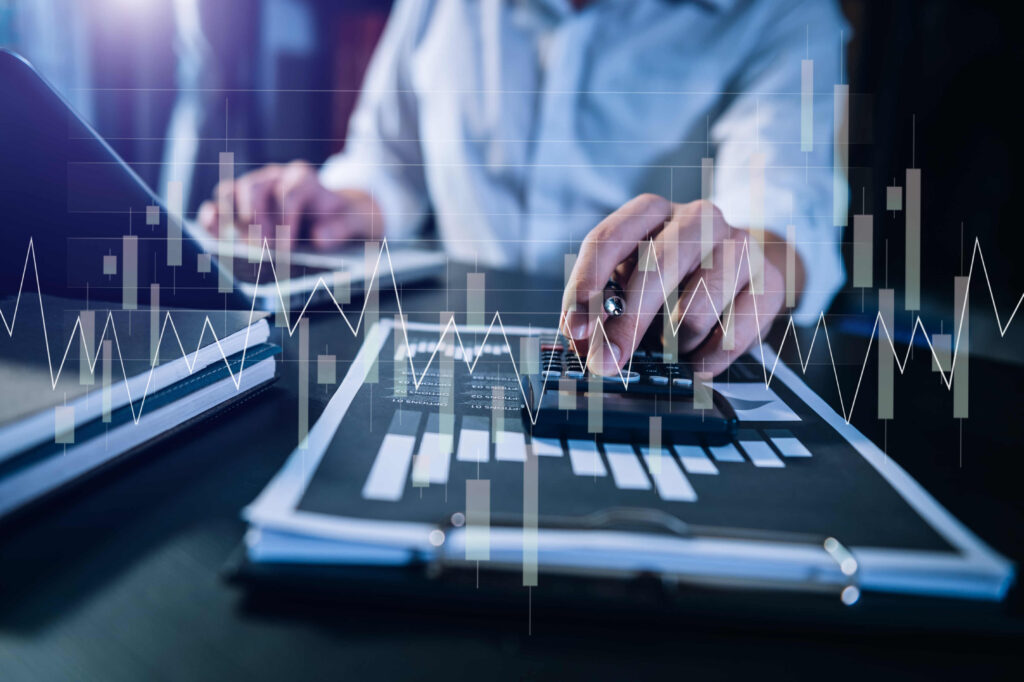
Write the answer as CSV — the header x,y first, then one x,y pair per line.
x,y
563,398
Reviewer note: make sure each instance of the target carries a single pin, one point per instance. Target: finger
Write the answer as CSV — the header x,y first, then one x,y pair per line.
x,y
675,252
611,242
704,297
295,192
251,206
751,317
208,217
329,235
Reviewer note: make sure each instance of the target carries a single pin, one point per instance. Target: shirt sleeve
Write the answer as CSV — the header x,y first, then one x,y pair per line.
x,y
765,119
382,154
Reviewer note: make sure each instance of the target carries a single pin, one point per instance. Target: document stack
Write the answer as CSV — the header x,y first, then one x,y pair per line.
x,y
82,387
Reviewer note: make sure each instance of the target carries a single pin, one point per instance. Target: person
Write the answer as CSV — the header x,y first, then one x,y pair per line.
x,y
532,129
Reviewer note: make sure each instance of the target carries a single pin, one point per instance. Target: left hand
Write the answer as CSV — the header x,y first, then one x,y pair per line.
x,y
611,250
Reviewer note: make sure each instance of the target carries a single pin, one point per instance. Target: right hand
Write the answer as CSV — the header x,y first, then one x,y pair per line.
x,y
292,195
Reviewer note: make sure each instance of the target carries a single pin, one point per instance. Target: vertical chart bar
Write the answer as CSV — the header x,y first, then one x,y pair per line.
x,y
840,153
707,215
913,222
64,424
886,309
894,198
255,249
695,460
475,293
402,353
790,266
807,105
669,480
566,394
87,347
391,466
511,447
130,272
547,447
863,250
175,201
962,344
371,299
110,264
627,471
529,355
755,242
703,390
154,324
941,343
595,404
497,413
342,285
446,385
585,459
759,452
530,518
326,369
669,338
474,440
654,444
478,519
728,293
283,268
303,368
226,217
105,396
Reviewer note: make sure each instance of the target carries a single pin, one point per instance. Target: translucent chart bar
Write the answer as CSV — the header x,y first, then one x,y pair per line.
x,y
548,447
627,471
863,250
726,453
87,347
807,105
303,369
511,447
475,288
585,459
788,444
669,479
695,460
474,440
913,254
226,215
175,209
759,452
886,309
962,344
840,157
64,424
942,343
129,272
391,467
478,520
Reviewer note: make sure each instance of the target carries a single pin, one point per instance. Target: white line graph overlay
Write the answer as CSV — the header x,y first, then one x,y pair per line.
x,y
417,377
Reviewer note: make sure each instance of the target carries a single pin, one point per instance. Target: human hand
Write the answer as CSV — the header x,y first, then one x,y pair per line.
x,y
292,195
611,251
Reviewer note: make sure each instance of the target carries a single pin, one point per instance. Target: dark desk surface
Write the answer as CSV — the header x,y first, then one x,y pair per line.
x,y
122,577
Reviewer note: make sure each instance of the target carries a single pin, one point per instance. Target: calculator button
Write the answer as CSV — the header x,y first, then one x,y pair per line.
x,y
629,377
658,380
682,382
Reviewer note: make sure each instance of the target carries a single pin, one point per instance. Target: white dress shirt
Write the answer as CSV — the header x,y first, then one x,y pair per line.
x,y
521,124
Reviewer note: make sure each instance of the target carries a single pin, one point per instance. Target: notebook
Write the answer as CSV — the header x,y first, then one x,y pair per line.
x,y
53,375
48,467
